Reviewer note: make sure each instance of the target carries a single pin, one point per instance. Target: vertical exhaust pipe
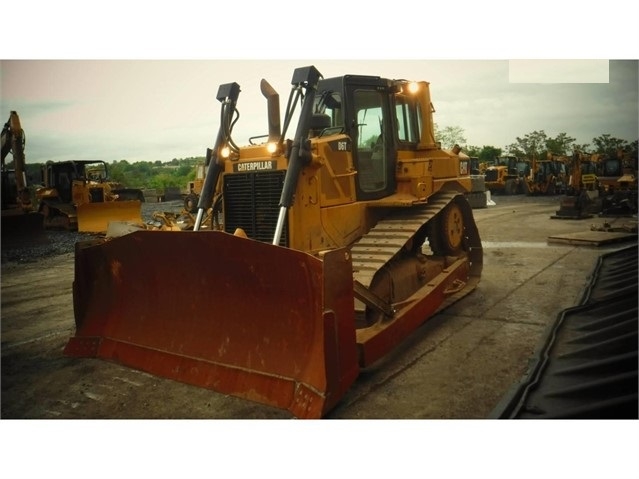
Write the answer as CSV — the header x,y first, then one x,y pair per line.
x,y
273,107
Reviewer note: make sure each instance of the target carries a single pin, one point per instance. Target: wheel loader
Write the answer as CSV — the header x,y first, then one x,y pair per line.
x,y
333,246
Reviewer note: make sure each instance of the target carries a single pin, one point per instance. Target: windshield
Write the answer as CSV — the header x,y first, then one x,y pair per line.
x,y
95,171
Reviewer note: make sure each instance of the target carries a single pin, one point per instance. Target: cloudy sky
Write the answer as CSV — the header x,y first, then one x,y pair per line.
x,y
158,109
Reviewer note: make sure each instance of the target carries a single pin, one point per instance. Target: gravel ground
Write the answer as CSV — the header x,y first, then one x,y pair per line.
x,y
58,242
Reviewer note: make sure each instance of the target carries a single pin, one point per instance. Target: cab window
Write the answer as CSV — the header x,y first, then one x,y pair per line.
x,y
406,130
372,151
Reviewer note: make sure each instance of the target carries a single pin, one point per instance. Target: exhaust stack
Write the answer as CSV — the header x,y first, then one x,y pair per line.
x,y
273,106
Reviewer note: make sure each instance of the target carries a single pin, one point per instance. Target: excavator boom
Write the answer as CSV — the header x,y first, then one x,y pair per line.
x,y
20,223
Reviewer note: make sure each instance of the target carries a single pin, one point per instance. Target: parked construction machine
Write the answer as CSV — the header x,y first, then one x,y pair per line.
x,y
548,176
478,195
507,175
78,195
479,167
582,192
618,185
20,221
194,188
581,199
185,219
583,173
335,246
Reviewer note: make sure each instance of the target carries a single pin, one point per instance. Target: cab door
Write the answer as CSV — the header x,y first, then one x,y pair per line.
x,y
370,129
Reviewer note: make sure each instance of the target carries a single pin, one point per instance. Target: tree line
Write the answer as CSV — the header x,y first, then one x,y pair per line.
x,y
536,145
177,172
155,174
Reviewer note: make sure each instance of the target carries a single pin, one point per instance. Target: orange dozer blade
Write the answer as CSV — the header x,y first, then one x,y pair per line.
x,y
95,217
244,318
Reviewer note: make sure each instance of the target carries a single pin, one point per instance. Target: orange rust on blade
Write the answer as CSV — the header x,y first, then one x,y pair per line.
x,y
241,317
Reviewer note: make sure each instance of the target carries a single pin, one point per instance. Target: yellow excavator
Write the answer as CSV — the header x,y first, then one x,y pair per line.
x,y
333,246
20,221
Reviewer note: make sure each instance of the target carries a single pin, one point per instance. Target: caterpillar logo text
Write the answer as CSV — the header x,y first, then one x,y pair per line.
x,y
255,166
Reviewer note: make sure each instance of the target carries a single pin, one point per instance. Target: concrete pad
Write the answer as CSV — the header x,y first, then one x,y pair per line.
x,y
594,238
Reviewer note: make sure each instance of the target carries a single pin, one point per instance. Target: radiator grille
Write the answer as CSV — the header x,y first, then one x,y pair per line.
x,y
251,202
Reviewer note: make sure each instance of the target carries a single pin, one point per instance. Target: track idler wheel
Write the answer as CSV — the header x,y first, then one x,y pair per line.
x,y
447,232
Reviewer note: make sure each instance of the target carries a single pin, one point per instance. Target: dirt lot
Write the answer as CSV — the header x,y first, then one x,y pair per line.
x,y
457,365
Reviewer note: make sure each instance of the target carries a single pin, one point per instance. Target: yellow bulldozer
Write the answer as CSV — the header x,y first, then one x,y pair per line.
x,y
333,247
78,195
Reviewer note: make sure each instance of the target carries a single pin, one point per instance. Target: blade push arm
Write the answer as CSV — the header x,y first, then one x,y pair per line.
x,y
303,78
227,95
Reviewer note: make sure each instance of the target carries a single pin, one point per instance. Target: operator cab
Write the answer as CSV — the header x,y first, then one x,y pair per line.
x,y
378,118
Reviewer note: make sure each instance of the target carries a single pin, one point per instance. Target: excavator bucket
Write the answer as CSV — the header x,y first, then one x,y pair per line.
x,y
95,217
245,318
